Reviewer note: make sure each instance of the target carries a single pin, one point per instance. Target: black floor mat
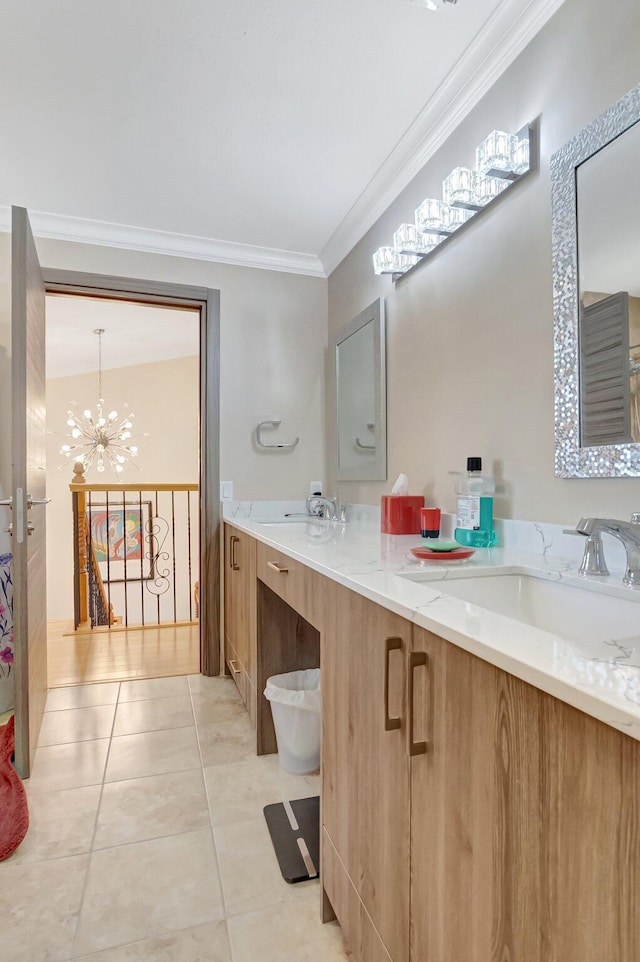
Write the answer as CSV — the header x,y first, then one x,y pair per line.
x,y
295,832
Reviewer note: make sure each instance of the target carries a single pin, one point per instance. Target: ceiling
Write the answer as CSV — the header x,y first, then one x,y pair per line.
x,y
133,334
270,133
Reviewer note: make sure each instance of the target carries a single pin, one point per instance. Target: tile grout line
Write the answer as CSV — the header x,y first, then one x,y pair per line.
x,y
95,829
213,838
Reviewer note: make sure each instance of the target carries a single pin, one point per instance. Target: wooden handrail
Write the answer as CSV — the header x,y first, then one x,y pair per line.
x,y
146,486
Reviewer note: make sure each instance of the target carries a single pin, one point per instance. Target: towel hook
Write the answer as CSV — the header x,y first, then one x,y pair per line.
x,y
289,445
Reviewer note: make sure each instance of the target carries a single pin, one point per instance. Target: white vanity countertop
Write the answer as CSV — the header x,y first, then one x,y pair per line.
x,y
601,678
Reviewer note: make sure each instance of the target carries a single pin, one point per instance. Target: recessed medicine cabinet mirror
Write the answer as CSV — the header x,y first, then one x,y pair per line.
x,y
361,397
596,279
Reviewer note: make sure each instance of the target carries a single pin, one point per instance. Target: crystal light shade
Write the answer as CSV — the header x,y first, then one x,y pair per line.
x,y
488,188
100,438
457,216
496,152
432,215
409,240
460,187
387,260
521,162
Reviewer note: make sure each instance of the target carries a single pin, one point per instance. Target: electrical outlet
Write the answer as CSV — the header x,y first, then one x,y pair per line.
x,y
315,487
226,490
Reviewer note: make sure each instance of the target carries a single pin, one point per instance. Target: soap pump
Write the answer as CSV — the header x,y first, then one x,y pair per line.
x,y
474,523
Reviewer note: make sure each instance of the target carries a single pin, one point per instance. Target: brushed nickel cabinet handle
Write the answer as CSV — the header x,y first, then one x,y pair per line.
x,y
391,644
416,659
276,567
233,561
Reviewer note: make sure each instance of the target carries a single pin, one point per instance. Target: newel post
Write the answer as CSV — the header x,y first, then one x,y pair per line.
x,y
80,559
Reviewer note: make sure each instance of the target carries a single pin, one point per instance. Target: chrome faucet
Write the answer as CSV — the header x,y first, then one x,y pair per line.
x,y
628,532
325,509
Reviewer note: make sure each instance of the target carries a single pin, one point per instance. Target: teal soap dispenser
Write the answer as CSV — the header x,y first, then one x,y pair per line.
x,y
474,524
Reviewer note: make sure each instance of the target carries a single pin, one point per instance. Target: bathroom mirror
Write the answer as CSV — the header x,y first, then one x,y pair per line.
x,y
361,397
596,278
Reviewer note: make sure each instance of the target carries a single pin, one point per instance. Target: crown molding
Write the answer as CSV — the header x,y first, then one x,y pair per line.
x,y
84,231
507,32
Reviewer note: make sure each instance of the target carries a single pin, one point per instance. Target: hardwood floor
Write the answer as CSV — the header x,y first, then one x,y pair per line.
x,y
80,658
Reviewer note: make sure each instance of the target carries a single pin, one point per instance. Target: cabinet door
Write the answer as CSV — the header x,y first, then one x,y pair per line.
x,y
452,803
483,859
240,604
365,770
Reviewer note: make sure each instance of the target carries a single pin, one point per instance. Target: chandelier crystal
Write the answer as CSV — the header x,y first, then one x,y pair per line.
x,y
99,438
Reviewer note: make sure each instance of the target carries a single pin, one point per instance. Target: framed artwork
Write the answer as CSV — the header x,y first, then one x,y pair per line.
x,y
120,539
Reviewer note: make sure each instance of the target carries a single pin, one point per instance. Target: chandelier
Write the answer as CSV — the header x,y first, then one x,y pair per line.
x,y
100,439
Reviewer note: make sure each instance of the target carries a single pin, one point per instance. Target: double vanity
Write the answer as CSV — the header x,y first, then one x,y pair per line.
x,y
481,728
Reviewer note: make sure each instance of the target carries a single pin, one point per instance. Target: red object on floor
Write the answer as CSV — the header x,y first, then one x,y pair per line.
x,y
14,812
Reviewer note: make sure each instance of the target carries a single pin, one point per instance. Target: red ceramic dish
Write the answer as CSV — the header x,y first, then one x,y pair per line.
x,y
458,554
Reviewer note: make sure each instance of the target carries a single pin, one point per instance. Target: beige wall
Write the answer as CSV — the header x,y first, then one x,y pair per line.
x,y
164,398
273,340
470,333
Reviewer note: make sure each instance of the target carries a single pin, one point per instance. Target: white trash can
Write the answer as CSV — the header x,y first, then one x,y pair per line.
x,y
296,708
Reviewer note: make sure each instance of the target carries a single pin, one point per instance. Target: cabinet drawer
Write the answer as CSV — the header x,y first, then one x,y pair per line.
x,y
238,673
240,597
292,581
282,574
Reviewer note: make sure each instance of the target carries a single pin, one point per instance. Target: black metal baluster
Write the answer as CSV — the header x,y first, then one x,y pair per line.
x,y
108,566
173,542
141,559
157,596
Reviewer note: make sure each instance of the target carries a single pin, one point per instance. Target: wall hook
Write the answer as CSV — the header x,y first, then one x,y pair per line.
x,y
289,445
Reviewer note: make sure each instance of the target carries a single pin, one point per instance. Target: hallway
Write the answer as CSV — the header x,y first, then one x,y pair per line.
x,y
147,839
103,655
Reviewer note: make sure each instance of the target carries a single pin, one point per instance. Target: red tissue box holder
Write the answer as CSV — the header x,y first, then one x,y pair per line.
x,y
400,513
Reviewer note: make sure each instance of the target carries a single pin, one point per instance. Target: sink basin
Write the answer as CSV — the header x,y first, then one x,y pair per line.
x,y
580,614
274,521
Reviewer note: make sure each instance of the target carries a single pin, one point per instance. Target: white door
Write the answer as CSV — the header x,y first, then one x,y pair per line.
x,y
28,488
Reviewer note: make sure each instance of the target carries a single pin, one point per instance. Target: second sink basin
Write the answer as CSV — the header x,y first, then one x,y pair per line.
x,y
571,611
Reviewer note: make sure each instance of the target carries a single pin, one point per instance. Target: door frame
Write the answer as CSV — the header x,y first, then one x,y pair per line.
x,y
207,301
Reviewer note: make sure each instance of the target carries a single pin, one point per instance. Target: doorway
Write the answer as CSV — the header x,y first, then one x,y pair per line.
x,y
122,398
205,304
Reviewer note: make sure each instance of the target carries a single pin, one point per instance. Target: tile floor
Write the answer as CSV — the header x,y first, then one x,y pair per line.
x,y
147,840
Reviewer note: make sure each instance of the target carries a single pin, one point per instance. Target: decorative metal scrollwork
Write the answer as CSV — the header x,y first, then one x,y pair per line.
x,y
157,529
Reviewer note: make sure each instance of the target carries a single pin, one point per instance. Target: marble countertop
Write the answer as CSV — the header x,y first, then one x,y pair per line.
x,y
601,678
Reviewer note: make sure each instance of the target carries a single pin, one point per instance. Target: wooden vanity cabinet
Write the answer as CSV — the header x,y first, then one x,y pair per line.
x,y
494,823
525,821
466,816
240,613
365,775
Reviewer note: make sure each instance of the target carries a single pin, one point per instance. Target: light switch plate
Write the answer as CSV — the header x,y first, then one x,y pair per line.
x,y
226,490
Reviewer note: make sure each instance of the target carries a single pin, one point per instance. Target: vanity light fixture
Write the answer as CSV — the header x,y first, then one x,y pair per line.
x,y
502,159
